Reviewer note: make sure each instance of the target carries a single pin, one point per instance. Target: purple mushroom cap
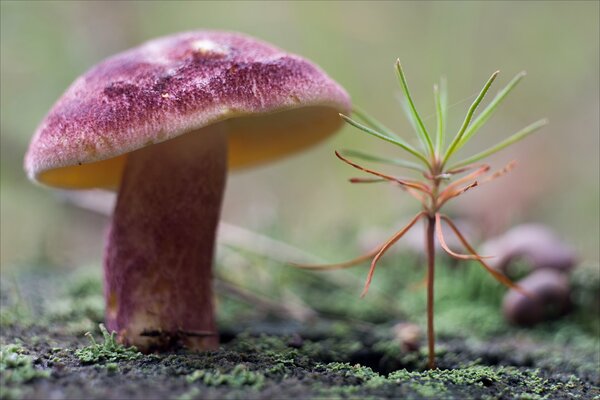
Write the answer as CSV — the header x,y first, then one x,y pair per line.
x,y
180,83
536,244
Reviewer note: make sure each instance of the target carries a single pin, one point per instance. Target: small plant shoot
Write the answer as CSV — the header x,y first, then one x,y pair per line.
x,y
109,351
443,178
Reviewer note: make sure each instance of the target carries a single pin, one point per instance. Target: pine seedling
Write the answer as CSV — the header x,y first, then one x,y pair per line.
x,y
442,180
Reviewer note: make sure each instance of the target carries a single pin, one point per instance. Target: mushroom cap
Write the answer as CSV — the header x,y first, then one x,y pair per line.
x,y
537,244
270,103
550,297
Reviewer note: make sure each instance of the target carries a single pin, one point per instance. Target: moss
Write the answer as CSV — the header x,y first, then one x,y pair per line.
x,y
112,367
108,351
15,314
13,309
85,283
280,366
519,383
16,367
330,349
279,350
239,377
389,348
472,375
80,307
356,378
430,390
466,298
191,394
365,375
17,370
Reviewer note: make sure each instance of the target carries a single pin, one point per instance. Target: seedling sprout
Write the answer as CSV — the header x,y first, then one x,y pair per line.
x,y
442,180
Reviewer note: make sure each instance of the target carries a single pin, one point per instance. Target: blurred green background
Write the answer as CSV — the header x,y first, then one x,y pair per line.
x,y
306,200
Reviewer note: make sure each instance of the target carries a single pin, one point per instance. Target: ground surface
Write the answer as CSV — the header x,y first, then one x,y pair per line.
x,y
45,354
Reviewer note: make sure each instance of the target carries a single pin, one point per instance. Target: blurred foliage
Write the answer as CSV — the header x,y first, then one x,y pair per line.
x,y
305,199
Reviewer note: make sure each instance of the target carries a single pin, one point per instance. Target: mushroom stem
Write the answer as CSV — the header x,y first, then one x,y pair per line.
x,y
159,253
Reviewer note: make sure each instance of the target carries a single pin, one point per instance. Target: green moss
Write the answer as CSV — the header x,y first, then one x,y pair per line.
x,y
473,375
357,378
112,367
85,283
239,377
16,367
421,383
280,353
365,378
430,390
190,394
246,342
389,347
280,366
519,383
16,371
108,351
15,314
365,375
80,308
330,349
13,309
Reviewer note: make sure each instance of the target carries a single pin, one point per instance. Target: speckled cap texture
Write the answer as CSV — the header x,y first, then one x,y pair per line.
x,y
269,102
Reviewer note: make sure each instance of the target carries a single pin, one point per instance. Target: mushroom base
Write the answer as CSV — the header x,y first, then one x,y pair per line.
x,y
159,253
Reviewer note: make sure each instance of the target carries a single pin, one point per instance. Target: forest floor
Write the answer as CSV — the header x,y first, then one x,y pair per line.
x,y
45,353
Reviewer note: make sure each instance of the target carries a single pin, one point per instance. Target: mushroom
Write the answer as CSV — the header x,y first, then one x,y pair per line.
x,y
549,298
162,123
534,243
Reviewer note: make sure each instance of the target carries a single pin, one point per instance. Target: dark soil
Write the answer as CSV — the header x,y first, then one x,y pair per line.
x,y
361,364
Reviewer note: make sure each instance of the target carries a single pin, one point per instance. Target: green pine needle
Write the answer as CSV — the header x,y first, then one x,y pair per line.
x,y
507,142
369,120
383,160
489,110
397,141
421,130
453,146
433,159
441,108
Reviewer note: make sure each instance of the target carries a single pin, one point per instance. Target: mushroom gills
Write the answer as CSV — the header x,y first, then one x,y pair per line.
x,y
159,252
252,140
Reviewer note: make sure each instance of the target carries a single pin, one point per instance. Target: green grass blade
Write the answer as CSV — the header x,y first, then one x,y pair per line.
x,y
512,139
396,141
421,131
440,95
489,110
453,146
383,160
369,120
